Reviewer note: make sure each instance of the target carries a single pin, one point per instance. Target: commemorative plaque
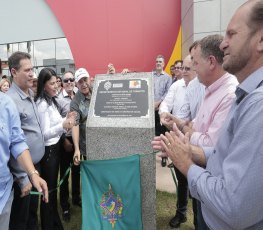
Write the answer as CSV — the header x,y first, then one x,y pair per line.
x,y
122,98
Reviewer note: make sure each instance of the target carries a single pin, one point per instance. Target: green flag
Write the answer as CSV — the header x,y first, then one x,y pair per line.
x,y
111,194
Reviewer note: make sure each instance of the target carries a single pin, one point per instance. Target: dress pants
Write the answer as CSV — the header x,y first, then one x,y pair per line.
x,y
160,129
194,205
66,159
50,219
182,193
24,209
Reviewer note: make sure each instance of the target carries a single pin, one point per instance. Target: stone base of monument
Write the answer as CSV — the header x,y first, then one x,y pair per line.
x,y
121,123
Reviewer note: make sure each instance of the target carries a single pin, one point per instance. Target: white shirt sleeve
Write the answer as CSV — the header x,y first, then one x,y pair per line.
x,y
167,103
51,121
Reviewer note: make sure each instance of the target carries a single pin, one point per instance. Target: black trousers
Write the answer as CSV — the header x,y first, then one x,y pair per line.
x,y
24,209
159,129
65,161
194,205
50,166
182,193
182,198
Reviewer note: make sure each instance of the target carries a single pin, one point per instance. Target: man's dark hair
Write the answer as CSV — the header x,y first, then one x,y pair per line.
x,y
178,61
210,46
194,45
68,71
15,58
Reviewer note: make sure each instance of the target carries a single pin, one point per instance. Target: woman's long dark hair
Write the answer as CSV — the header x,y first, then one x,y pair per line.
x,y
44,76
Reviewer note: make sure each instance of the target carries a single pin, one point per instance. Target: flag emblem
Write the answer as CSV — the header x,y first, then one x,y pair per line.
x,y
111,207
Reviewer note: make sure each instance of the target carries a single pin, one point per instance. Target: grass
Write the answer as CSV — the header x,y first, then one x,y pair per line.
x,y
165,205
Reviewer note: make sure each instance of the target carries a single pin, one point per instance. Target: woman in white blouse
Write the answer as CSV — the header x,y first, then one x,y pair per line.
x,y
53,126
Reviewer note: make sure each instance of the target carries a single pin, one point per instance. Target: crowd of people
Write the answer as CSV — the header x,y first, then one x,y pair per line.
x,y
207,121
218,151
50,113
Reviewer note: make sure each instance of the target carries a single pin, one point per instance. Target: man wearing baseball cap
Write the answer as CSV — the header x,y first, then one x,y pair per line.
x,y
80,104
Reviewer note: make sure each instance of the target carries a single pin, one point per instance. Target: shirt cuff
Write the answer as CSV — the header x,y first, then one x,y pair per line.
x,y
18,148
193,175
208,151
163,110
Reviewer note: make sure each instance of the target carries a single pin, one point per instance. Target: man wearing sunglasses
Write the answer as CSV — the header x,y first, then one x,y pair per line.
x,y
177,70
67,151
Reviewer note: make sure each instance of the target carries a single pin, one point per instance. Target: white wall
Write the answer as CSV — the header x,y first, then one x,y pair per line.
x,y
204,17
26,20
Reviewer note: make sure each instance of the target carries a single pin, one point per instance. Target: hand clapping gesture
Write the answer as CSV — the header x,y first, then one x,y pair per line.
x,y
177,147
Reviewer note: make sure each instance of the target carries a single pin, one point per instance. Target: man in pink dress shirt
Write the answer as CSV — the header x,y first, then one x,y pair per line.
x,y
219,93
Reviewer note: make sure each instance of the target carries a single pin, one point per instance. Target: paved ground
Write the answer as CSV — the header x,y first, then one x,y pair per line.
x,y
164,179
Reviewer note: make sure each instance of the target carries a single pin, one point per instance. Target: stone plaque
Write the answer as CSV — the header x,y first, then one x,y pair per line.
x,y
122,98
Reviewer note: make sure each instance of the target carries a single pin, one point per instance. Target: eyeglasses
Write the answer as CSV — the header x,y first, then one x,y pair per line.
x,y
69,79
186,68
159,61
178,68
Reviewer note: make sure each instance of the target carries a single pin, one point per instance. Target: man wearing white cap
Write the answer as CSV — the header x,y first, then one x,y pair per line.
x,y
80,104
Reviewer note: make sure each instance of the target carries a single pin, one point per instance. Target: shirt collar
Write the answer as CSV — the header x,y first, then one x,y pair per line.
x,y
65,94
252,81
249,84
240,94
21,93
213,87
82,97
155,73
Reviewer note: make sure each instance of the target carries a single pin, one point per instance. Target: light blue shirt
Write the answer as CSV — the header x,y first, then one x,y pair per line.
x,y
11,139
231,187
162,83
30,124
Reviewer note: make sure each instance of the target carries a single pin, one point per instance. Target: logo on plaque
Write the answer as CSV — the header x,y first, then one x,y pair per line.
x,y
107,85
135,84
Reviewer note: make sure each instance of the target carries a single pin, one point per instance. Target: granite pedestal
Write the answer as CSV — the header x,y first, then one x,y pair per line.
x,y
121,123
